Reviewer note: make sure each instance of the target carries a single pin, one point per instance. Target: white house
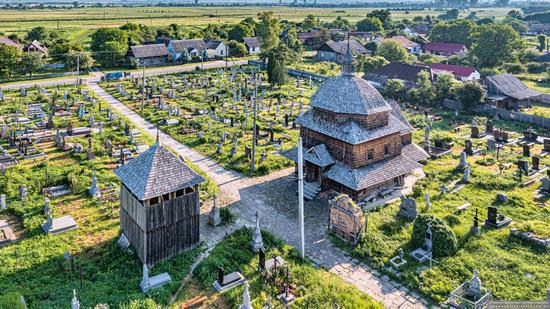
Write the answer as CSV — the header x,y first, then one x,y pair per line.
x,y
460,73
194,47
217,49
410,46
252,45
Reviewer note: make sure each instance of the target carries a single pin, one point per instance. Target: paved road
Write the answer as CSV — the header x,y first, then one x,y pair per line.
x,y
97,75
273,197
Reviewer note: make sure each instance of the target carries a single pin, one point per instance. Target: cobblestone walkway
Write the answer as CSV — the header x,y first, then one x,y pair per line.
x,y
274,197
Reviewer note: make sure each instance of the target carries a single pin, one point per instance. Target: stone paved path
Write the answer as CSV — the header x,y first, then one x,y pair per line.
x,y
274,197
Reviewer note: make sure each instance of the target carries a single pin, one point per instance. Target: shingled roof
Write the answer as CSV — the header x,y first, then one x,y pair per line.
x,y
148,51
397,70
509,85
349,95
251,42
341,47
318,155
181,45
156,172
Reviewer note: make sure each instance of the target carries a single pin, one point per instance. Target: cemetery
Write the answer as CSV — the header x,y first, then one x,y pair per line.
x,y
486,203
213,112
60,212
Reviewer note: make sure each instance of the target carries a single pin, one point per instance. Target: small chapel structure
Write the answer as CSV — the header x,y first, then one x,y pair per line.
x,y
355,142
159,204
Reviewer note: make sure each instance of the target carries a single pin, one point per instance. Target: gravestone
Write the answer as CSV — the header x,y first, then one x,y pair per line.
x,y
153,282
466,175
214,218
535,160
94,188
462,163
523,165
428,205
247,303
491,145
475,132
3,201
547,144
545,184
257,241
408,208
489,127
526,151
468,147
227,282
475,228
123,242
261,258
495,220
23,193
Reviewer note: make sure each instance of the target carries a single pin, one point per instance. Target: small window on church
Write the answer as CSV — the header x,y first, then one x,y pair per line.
x,y
189,190
166,197
180,193
387,149
370,154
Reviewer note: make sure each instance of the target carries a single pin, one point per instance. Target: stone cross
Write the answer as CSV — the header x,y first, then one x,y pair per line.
x,y
247,304
3,201
427,196
257,241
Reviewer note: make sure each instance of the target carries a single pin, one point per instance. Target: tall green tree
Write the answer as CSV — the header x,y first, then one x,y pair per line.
x,y
372,63
278,58
38,33
394,89
9,60
310,22
32,62
459,32
109,46
240,31
392,51
542,42
445,86
383,15
426,90
268,30
519,25
82,59
470,94
369,24
495,44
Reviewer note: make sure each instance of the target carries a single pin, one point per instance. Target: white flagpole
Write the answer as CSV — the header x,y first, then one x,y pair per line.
x,y
301,196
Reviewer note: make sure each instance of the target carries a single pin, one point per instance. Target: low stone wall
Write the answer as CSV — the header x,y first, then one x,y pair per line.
x,y
517,116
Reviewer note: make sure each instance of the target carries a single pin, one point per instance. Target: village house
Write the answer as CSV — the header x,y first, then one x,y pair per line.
x,y
445,49
10,42
159,204
37,47
536,28
252,45
334,51
407,73
410,46
461,73
216,49
310,38
508,92
354,141
148,55
194,47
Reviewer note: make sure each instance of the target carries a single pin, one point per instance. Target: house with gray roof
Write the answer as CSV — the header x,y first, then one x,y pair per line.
x,y
148,55
355,142
508,92
334,51
194,47
252,45
159,204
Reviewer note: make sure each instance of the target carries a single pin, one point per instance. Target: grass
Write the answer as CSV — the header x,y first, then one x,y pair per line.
x,y
35,265
79,23
315,288
194,101
513,269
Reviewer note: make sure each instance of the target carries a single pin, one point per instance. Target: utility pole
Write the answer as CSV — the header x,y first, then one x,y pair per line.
x,y
254,124
301,197
78,70
143,89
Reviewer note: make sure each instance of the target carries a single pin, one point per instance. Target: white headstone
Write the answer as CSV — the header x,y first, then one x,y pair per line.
x,y
257,241
75,304
3,201
247,304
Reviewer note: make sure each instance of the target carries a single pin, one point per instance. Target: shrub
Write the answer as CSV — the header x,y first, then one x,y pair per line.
x,y
452,220
514,68
444,240
11,300
227,215
535,67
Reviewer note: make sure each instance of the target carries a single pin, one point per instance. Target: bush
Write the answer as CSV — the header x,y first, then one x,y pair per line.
x,y
535,67
444,240
227,215
452,220
11,301
514,68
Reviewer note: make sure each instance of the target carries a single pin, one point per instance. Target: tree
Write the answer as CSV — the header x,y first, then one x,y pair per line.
x,y
372,63
488,37
37,33
268,30
370,24
470,94
515,14
186,56
445,85
277,59
383,15
31,63
9,60
240,31
341,23
109,46
310,22
518,25
392,51
81,59
458,31
450,14
60,49
542,42
394,88
426,90
237,49
293,42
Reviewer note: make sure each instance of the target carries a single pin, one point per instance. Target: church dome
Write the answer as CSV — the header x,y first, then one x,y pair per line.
x,y
349,94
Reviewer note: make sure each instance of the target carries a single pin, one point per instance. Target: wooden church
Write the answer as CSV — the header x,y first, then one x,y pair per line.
x,y
160,205
355,142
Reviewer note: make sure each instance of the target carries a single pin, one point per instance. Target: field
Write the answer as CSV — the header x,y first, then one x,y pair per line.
x,y
36,266
78,24
211,114
513,269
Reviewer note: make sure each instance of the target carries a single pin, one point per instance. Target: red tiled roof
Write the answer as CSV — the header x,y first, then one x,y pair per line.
x,y
450,48
455,69
9,41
